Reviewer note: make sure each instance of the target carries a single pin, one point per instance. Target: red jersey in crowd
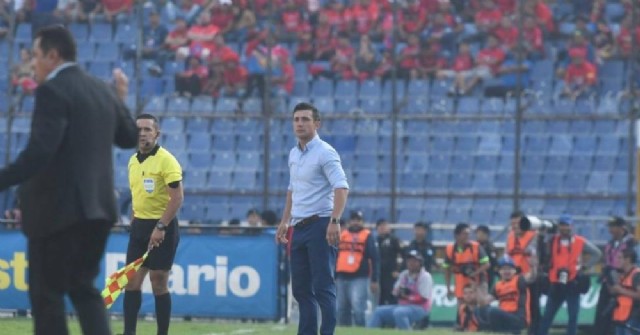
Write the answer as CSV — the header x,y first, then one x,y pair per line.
x,y
625,42
291,19
222,18
508,36
363,17
491,57
488,17
462,62
581,74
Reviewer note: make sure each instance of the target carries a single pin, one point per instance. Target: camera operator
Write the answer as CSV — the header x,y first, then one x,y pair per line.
x,y
467,260
566,274
413,290
522,244
627,291
466,320
621,240
512,314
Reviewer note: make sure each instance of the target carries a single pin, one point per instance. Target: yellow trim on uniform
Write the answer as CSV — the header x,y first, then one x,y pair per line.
x,y
148,182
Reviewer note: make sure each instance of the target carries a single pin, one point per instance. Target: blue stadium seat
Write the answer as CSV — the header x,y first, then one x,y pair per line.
x,y
86,50
365,161
101,32
223,161
217,211
440,88
202,105
598,182
486,163
418,89
417,143
370,88
536,144
172,125
21,125
532,206
416,163
155,105
322,88
604,163
574,182
199,142
530,183
458,215
152,86
484,182
412,182
619,183
466,144
441,106
552,182
409,215
174,142
101,69
482,215
490,144
462,163
245,181
561,144
121,177
387,90
493,106
557,163
504,182
437,182
585,144
346,89
442,144
366,143
107,51
533,127
223,126
532,163
278,180
224,142
28,104
461,181
344,143
200,161
324,104
301,71
219,180
195,179
249,161
301,88
469,105
249,143
365,181
418,105
227,105
346,104
439,162
608,145
197,125
125,34
372,105
252,106
23,33
580,163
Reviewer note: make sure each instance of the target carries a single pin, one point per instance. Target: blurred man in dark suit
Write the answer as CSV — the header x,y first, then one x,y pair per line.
x,y
66,175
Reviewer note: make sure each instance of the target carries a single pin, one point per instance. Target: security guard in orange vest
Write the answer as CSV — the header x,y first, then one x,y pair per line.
x,y
512,313
466,259
520,246
565,252
466,320
627,312
357,269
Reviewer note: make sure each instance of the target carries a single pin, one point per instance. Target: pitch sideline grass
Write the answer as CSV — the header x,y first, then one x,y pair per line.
x,y
22,326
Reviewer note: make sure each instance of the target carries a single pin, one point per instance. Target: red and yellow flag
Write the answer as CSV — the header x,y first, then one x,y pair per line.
x,y
119,279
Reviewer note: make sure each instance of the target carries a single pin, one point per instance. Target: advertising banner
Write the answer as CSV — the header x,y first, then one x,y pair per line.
x,y
213,275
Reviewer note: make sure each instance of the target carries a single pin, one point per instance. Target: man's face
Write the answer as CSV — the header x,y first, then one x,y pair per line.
x,y
148,134
507,272
356,223
420,233
413,264
615,231
515,225
383,229
463,237
43,64
304,125
564,230
254,219
481,236
469,295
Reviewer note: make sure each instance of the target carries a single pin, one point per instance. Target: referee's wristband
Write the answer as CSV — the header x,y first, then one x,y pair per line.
x,y
161,226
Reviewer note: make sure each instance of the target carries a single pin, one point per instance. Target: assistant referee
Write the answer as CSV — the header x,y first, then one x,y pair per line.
x,y
155,178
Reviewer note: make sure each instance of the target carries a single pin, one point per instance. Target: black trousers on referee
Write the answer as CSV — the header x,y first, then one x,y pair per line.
x,y
67,263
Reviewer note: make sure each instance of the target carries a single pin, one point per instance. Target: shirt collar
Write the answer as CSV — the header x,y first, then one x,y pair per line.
x,y
60,67
141,157
315,140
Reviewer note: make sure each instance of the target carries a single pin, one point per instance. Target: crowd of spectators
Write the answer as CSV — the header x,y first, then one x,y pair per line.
x,y
244,47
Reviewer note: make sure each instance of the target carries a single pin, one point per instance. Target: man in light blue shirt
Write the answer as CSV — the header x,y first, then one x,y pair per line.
x,y
316,198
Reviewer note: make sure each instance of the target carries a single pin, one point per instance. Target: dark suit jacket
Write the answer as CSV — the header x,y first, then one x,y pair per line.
x,y
66,170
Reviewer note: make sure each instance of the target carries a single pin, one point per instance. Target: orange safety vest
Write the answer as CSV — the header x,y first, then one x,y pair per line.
x,y
351,250
516,249
469,256
508,295
470,324
625,303
565,257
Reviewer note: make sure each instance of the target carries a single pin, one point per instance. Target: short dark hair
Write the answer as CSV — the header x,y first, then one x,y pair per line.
x,y
516,214
146,116
58,38
460,227
305,106
483,228
631,254
380,222
253,211
421,224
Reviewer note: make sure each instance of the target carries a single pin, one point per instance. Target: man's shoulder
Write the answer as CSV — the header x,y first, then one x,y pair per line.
x,y
166,155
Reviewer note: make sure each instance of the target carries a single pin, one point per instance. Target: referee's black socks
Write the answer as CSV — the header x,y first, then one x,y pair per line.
x,y
163,313
132,302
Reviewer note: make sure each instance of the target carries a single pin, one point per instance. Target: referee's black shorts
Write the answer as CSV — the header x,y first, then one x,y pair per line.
x,y
161,257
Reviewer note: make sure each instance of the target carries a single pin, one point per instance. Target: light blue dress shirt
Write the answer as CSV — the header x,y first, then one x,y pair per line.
x,y
314,173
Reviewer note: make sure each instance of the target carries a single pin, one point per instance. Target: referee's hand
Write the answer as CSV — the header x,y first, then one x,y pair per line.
x,y
156,238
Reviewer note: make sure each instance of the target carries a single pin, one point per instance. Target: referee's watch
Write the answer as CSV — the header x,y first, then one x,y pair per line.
x,y
161,226
335,220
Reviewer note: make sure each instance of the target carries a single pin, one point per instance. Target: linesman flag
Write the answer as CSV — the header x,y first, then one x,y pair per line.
x,y
119,279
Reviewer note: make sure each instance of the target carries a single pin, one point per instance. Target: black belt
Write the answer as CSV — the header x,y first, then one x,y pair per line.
x,y
306,221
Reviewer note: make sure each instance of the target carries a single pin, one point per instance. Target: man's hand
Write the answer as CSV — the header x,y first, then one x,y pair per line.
x,y
615,289
374,287
333,233
122,83
156,238
281,233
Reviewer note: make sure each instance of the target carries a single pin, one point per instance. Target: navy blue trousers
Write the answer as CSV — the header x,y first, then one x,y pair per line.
x,y
313,264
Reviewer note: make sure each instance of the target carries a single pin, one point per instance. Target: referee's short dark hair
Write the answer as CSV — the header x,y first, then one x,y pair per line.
x,y
483,228
305,106
58,38
146,116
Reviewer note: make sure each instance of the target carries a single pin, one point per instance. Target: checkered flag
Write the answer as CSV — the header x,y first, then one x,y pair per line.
x,y
119,279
